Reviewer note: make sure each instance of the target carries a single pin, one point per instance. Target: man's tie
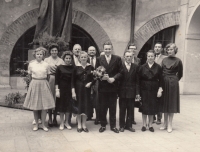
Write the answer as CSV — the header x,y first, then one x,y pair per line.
x,y
108,60
128,67
92,61
156,59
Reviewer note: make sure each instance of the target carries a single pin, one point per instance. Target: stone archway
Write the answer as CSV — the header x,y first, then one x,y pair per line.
x,y
155,25
28,20
192,53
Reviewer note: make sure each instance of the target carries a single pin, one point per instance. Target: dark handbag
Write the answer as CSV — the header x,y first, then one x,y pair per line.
x,y
74,108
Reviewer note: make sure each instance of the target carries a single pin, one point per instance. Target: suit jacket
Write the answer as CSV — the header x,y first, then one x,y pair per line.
x,y
129,82
113,69
159,61
136,60
96,65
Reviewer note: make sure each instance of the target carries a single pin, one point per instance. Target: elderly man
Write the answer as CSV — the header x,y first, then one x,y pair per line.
x,y
129,88
108,87
159,58
76,49
94,93
132,48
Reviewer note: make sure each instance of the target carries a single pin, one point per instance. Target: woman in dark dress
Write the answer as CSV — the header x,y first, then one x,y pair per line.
x,y
63,89
172,72
150,75
82,78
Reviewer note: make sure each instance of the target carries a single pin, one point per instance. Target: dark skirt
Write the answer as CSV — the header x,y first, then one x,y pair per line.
x,y
170,102
83,98
149,98
63,104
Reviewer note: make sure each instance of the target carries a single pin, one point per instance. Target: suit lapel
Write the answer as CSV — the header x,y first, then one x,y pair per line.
x,y
104,61
112,61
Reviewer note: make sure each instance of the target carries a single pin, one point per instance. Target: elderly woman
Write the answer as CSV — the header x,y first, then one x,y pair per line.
x,y
150,75
63,89
39,95
54,61
81,81
172,72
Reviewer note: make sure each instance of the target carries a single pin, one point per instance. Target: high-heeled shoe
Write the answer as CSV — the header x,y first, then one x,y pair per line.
x,y
68,126
85,130
45,129
163,128
79,130
35,128
61,127
169,130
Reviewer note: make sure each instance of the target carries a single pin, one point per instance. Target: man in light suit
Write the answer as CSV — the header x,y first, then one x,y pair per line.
x,y
108,87
94,102
159,58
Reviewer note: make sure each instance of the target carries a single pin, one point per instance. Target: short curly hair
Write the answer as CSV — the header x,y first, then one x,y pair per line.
x,y
67,53
53,45
171,45
83,52
42,49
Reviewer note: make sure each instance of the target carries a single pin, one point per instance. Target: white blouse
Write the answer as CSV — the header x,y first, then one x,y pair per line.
x,y
38,69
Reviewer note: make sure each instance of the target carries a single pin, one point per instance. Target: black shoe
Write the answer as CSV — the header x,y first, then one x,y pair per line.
x,y
50,125
158,122
102,129
79,130
96,122
143,128
55,123
130,129
115,130
133,122
151,129
85,130
121,129
89,119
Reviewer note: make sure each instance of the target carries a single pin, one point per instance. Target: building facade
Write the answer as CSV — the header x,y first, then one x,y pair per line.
x,y
97,21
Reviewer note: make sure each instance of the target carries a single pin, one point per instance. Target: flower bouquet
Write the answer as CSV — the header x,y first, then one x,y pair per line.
x,y
99,73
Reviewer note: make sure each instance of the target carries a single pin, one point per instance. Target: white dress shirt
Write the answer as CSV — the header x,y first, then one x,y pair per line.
x,y
76,61
94,61
108,58
150,65
128,66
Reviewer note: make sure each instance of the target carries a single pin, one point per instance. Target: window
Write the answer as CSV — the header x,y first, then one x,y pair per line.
x,y
20,52
165,37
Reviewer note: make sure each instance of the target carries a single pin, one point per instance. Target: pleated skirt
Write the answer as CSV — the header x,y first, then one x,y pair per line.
x,y
39,96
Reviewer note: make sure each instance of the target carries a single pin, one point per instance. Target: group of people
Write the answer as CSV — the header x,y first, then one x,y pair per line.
x,y
64,84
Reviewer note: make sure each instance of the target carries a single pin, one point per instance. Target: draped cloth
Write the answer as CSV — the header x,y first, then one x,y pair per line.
x,y
55,18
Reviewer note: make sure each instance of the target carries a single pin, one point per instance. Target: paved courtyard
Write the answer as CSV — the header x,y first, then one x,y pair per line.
x,y
16,134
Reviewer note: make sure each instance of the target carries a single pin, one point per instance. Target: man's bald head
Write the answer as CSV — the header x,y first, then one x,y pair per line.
x,y
76,49
92,51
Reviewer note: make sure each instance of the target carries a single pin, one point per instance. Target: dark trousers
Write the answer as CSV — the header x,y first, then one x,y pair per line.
x,y
95,97
159,114
108,100
126,106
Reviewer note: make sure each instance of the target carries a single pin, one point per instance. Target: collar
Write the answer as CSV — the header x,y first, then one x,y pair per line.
x,y
39,62
127,64
94,57
158,55
108,57
79,64
150,65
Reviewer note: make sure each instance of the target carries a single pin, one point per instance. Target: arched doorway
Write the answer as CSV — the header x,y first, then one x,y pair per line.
x,y
165,37
19,55
192,53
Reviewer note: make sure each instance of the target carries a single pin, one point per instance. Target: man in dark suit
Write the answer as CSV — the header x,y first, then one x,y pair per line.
x,y
128,89
94,102
132,48
159,58
108,87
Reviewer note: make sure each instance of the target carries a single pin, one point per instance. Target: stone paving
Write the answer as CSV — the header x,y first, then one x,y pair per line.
x,y
16,134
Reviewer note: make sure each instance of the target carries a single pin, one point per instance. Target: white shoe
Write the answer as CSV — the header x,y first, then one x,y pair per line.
x,y
61,127
39,121
163,128
68,126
